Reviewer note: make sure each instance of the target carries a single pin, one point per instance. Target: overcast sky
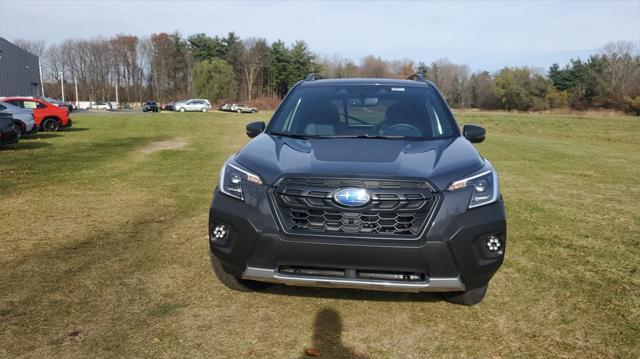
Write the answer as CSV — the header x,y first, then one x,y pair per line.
x,y
484,35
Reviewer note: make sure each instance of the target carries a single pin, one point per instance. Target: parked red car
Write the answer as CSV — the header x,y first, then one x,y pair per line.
x,y
48,117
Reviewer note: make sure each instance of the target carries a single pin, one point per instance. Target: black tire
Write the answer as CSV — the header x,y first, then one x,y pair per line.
x,y
19,130
233,282
50,124
469,297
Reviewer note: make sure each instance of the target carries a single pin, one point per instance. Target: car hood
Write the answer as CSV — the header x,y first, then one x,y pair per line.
x,y
440,161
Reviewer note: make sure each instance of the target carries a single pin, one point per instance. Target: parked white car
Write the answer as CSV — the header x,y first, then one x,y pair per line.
x,y
93,105
106,106
25,123
192,105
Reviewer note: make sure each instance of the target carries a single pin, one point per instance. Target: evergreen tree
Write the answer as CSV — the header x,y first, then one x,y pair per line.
x,y
422,69
204,47
281,61
214,79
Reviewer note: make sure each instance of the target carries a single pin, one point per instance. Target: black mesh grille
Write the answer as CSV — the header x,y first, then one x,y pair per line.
x,y
397,208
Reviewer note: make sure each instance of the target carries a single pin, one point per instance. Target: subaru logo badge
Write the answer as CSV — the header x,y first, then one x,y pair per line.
x,y
352,197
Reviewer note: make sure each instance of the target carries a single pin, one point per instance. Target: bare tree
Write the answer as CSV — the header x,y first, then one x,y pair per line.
x,y
125,53
158,53
252,58
402,68
36,47
372,66
622,73
338,67
452,80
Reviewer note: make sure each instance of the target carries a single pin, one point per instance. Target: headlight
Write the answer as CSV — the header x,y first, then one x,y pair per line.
x,y
485,187
232,178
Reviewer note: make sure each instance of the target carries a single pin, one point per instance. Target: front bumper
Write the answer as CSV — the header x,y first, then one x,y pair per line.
x,y
426,285
450,256
33,131
9,137
68,125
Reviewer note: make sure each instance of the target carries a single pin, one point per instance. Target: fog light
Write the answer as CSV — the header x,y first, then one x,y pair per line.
x,y
219,232
494,244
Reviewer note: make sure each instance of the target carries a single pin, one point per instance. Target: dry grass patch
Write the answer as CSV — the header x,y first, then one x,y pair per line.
x,y
163,145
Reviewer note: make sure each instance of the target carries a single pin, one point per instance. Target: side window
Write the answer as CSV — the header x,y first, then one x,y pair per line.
x,y
17,103
41,105
2,108
30,104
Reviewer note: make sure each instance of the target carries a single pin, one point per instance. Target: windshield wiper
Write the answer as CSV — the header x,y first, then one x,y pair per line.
x,y
306,137
290,134
366,136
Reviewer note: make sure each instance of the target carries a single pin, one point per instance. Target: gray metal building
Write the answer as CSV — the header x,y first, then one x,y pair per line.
x,y
19,71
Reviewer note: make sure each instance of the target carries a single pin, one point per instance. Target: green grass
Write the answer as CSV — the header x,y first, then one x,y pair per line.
x,y
103,251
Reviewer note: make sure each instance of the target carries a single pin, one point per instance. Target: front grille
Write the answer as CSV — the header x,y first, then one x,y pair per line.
x,y
398,209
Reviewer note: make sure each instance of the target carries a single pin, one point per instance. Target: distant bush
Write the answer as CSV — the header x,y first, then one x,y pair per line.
x,y
558,99
633,105
265,103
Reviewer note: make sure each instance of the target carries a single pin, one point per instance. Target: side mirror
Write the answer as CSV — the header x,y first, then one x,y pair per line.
x,y
473,133
255,128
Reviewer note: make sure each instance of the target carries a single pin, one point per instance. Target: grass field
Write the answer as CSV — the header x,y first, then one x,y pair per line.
x,y
103,251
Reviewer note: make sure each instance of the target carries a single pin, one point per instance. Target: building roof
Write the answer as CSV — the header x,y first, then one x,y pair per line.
x,y
6,44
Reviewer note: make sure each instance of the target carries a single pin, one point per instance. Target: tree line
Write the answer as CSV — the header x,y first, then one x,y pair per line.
x,y
166,67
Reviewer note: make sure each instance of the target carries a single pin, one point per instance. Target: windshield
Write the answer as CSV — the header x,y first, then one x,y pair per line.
x,y
376,111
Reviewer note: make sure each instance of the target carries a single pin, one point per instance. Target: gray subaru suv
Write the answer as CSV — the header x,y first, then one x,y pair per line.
x,y
360,183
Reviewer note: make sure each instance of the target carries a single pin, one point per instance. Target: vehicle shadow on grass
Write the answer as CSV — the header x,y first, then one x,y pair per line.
x,y
75,129
22,146
327,338
40,135
353,294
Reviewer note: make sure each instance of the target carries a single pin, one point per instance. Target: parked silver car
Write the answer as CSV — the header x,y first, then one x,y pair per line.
x,y
205,101
25,123
244,109
192,105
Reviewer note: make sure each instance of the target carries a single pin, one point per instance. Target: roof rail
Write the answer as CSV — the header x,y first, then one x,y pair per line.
x,y
417,77
313,77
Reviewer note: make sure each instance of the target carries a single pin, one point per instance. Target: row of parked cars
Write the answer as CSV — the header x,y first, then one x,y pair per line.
x,y
21,116
197,105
